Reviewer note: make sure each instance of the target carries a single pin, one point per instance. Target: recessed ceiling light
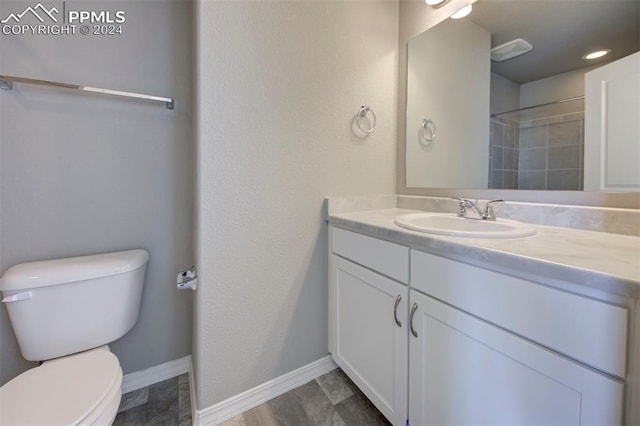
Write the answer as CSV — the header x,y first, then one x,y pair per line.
x,y
597,54
462,12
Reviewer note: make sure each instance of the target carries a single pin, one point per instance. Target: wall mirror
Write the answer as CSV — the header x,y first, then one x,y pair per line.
x,y
516,123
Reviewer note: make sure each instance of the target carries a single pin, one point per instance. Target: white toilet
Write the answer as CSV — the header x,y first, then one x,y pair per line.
x,y
64,312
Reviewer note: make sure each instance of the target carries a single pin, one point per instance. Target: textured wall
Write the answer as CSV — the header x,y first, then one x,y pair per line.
x,y
279,83
83,174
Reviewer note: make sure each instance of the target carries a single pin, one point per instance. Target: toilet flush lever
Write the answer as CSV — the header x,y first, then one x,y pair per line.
x,y
187,279
18,296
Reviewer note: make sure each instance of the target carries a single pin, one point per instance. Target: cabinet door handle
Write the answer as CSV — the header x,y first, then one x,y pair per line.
x,y
414,308
395,311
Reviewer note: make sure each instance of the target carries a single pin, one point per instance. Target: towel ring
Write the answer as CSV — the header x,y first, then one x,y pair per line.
x,y
364,110
427,133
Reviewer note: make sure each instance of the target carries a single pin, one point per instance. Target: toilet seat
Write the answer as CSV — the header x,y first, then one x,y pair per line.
x,y
78,389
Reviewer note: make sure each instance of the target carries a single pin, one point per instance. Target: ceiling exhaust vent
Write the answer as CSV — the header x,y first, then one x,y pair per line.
x,y
510,50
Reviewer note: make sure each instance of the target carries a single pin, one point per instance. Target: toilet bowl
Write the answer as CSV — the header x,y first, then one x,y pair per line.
x,y
80,389
64,312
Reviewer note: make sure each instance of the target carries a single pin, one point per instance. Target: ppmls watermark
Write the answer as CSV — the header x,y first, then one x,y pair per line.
x,y
40,20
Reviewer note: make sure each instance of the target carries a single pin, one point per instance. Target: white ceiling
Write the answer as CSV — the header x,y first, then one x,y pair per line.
x,y
561,32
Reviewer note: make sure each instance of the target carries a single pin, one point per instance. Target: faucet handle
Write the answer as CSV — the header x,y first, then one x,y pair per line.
x,y
463,201
464,205
489,212
499,203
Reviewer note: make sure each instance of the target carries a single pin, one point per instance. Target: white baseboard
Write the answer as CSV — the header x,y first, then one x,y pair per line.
x,y
251,398
155,374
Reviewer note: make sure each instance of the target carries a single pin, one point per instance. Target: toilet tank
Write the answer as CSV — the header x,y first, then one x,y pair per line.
x,y
63,306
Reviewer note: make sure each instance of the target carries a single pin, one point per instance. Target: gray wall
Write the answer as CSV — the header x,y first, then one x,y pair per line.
x,y
83,174
505,94
279,83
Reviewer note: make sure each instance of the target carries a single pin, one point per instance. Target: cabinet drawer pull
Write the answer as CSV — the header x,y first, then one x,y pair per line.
x,y
395,311
413,312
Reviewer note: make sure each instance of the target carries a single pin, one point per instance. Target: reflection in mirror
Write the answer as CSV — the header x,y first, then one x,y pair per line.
x,y
516,123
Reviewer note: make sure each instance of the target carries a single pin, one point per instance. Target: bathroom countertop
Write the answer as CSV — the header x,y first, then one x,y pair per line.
x,y
560,257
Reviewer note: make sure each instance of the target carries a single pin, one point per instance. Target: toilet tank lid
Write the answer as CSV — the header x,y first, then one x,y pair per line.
x,y
59,271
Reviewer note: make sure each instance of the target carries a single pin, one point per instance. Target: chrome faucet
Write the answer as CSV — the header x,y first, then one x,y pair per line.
x,y
464,206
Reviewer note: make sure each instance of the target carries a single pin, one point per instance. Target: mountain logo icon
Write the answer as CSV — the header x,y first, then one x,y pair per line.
x,y
39,11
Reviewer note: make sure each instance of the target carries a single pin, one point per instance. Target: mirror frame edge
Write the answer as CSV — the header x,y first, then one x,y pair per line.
x,y
415,18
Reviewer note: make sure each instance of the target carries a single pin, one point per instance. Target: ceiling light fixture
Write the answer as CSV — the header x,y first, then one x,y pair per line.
x,y
462,12
436,3
597,54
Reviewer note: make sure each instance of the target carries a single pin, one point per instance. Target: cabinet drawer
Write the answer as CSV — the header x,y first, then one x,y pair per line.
x,y
584,329
387,258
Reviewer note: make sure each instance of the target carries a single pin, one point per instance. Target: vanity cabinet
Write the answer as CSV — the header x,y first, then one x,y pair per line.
x,y
438,341
465,371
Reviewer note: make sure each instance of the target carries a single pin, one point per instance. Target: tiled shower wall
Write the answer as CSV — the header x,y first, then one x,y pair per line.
x,y
546,153
551,153
503,154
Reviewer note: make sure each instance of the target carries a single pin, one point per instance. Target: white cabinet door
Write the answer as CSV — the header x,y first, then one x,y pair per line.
x,y
369,345
465,371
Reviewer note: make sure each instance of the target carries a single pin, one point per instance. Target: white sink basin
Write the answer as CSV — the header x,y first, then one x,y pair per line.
x,y
452,225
